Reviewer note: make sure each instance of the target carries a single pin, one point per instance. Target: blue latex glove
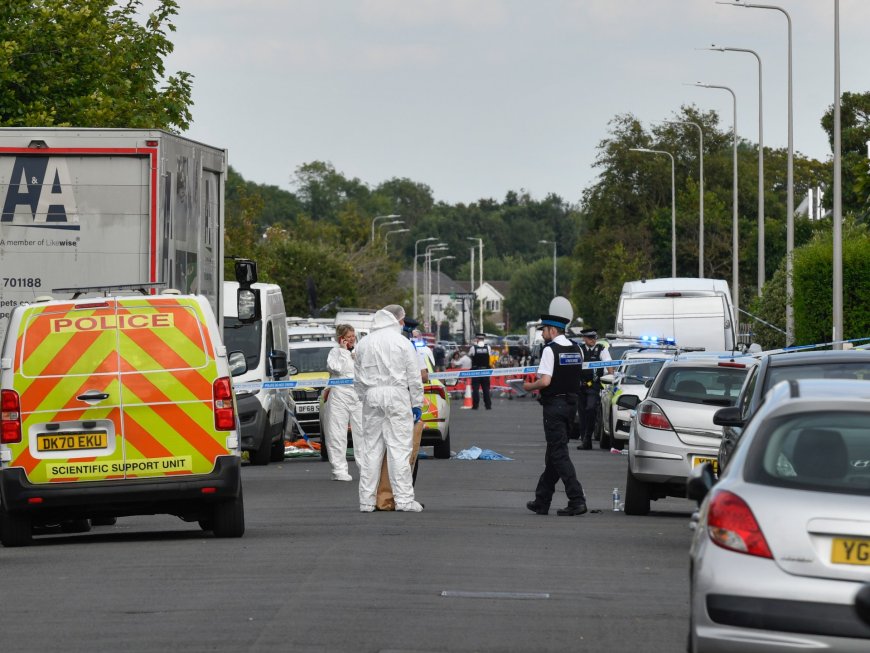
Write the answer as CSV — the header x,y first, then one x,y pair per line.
x,y
418,413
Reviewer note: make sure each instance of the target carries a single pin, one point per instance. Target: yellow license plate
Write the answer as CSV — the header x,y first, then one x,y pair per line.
x,y
72,441
700,460
850,551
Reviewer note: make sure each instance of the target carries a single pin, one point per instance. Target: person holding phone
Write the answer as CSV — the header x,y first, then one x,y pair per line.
x,y
343,407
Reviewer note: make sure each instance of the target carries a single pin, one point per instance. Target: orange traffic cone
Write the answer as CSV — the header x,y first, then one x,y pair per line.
x,y
466,401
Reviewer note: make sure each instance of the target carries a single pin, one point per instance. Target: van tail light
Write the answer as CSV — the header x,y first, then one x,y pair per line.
x,y
224,411
435,389
653,417
10,417
731,525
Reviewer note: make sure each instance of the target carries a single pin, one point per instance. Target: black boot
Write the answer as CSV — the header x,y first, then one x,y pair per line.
x,y
572,510
537,508
587,443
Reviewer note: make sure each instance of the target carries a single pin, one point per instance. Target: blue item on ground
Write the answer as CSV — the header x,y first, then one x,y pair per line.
x,y
476,453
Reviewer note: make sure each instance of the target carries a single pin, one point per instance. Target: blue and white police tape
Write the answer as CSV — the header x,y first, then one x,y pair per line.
x,y
280,385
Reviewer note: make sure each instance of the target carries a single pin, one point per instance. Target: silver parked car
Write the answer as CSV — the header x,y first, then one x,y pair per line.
x,y
672,430
782,544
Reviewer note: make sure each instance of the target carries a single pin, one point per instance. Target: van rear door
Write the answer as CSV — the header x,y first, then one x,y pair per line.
x,y
167,371
700,322
66,374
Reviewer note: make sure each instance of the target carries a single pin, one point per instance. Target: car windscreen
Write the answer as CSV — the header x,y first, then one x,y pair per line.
x,y
841,369
245,338
641,372
618,351
310,359
824,452
715,386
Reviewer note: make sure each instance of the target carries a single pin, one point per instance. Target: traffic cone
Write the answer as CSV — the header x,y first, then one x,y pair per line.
x,y
466,402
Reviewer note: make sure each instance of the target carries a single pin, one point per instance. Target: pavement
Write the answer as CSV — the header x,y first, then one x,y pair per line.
x,y
475,571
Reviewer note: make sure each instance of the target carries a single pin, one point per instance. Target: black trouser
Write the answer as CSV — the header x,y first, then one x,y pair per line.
x,y
590,400
481,382
558,413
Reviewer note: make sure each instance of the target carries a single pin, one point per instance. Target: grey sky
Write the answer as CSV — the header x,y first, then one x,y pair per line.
x,y
478,97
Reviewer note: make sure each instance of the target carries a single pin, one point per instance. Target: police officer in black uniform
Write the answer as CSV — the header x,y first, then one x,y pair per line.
x,y
479,352
558,382
590,388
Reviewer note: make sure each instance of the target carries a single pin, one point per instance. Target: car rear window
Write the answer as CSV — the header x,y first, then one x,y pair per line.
x,y
827,452
858,369
641,372
715,386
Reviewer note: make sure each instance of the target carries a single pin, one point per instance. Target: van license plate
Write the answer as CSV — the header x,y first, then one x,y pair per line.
x,y
306,409
850,551
72,441
700,460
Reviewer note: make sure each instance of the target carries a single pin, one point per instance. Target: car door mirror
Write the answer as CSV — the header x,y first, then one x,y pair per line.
x,y
728,416
700,480
238,363
628,401
648,383
278,361
248,305
292,370
607,379
862,604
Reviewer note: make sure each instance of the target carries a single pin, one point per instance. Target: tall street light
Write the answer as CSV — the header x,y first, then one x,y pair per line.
x,y
421,240
471,309
700,190
838,189
437,263
427,279
553,243
714,48
735,278
394,231
789,208
392,216
480,281
673,206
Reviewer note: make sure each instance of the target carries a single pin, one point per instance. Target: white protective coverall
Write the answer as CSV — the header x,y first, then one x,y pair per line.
x,y
387,380
343,408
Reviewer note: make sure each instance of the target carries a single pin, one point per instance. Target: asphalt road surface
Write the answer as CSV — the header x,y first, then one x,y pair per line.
x,y
475,571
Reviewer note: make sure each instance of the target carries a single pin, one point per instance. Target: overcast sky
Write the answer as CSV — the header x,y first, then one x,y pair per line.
x,y
479,97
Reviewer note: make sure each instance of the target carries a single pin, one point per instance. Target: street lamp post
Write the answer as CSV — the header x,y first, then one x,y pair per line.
x,y
471,290
421,240
437,262
701,190
838,190
392,216
673,205
735,278
761,263
789,204
480,281
427,280
553,243
394,231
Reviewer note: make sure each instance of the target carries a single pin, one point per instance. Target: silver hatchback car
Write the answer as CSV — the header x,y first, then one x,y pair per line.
x,y
672,430
782,544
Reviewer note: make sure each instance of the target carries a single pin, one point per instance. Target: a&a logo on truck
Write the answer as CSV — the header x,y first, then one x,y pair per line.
x,y
40,194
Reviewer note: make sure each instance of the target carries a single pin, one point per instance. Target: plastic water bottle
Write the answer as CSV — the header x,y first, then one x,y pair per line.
x,y
616,499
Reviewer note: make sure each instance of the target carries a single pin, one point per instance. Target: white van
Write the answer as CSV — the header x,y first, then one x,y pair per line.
x,y
359,318
262,413
694,312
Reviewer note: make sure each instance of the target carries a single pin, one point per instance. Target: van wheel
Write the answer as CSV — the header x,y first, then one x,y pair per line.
x,y
260,456
205,524
442,449
15,529
636,496
228,518
277,452
103,521
76,526
603,438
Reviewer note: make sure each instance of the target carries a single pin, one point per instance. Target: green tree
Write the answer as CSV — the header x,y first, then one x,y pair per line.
x,y
855,134
89,63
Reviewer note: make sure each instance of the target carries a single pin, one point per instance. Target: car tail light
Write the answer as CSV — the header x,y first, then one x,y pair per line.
x,y
436,389
224,411
10,417
653,417
731,525
733,364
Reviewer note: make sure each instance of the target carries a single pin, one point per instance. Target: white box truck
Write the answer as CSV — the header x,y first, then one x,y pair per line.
x,y
694,312
98,207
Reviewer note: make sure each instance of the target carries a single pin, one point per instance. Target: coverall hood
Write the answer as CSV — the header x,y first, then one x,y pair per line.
x,y
385,320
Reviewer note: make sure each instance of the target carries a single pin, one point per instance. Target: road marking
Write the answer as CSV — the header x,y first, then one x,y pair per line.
x,y
460,594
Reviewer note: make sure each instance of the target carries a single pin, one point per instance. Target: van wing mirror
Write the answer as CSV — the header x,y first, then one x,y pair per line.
x,y
700,480
862,604
278,361
248,305
246,272
729,416
238,363
628,401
